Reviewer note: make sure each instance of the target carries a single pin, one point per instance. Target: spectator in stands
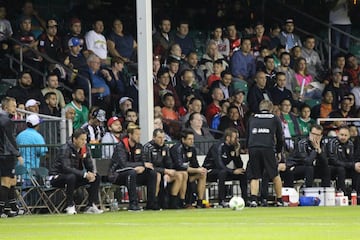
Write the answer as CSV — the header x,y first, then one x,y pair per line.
x,y
76,61
75,32
312,57
353,68
131,116
184,157
66,171
50,43
280,92
129,168
233,120
215,122
343,162
157,153
274,33
38,23
158,124
191,62
212,54
195,105
9,158
289,123
202,134
234,38
214,108
221,42
32,105
113,136
6,32
237,99
287,37
100,90
277,55
339,18
26,37
183,39
51,107
243,62
162,39
81,111
257,92
125,103
31,136
260,59
118,81
304,120
120,44
96,42
216,75
338,90
169,112
259,40
269,71
295,54
156,67
217,159
70,113
353,108
173,67
323,109
186,86
162,86
25,89
344,111
308,160
305,80
52,84
291,82
95,125
224,84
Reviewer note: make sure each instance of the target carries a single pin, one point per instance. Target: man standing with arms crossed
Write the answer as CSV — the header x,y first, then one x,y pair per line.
x,y
264,141
9,155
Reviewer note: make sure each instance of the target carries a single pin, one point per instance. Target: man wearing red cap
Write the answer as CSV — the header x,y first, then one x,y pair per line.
x,y
112,136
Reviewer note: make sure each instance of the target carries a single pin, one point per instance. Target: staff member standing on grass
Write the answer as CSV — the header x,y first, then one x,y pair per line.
x,y
9,156
264,141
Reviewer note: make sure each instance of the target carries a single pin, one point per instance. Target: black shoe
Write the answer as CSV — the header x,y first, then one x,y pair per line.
x,y
223,204
264,203
154,207
134,208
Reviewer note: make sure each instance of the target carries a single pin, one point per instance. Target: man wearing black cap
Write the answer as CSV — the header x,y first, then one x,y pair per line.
x,y
95,129
338,90
49,42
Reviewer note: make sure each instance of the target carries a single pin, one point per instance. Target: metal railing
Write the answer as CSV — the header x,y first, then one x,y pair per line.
x,y
21,63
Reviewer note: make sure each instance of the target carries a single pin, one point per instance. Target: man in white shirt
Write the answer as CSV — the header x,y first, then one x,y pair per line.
x,y
95,40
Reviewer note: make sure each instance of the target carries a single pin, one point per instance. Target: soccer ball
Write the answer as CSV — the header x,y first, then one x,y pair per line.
x,y
237,203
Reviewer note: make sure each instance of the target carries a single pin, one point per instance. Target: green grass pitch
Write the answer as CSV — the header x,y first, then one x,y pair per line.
x,y
251,223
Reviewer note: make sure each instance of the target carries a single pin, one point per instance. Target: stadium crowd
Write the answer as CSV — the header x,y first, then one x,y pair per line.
x,y
196,98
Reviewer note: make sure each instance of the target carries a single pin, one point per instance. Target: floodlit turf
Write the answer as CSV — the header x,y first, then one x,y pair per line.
x,y
260,223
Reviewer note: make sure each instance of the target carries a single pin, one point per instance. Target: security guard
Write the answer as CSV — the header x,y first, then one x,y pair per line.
x,y
264,141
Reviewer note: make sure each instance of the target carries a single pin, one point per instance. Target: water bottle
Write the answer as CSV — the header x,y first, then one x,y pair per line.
x,y
353,198
115,205
47,182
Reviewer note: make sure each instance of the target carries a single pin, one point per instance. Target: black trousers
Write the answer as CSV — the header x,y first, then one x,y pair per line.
x,y
72,181
221,176
297,173
130,179
340,174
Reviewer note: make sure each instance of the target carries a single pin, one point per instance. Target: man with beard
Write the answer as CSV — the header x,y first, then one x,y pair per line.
x,y
25,90
9,156
81,111
113,136
284,67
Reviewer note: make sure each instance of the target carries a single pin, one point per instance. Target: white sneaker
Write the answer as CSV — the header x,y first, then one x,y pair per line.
x,y
93,210
71,210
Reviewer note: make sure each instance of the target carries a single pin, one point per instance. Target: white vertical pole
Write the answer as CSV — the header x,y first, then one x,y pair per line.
x,y
144,38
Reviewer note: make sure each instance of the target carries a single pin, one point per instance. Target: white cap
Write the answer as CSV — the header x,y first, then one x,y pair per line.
x,y
123,99
31,102
33,119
